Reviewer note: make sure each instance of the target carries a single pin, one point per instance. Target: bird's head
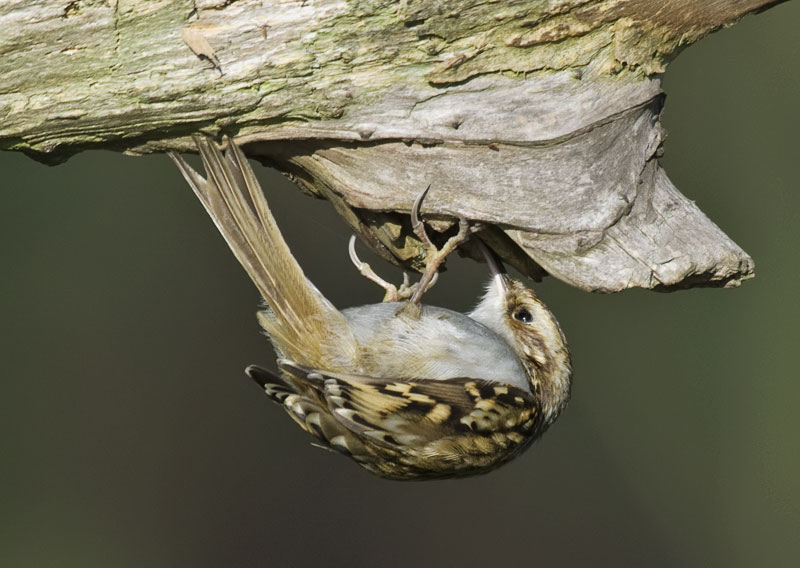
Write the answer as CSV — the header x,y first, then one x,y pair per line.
x,y
516,314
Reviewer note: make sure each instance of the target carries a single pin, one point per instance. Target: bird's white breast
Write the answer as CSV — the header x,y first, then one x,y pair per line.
x,y
440,344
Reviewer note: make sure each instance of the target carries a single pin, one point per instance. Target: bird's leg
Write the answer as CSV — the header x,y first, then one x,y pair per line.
x,y
434,257
393,293
407,289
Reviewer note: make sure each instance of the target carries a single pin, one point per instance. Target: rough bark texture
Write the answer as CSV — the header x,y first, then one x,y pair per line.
x,y
538,119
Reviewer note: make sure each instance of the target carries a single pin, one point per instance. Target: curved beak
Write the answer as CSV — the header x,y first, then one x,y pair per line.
x,y
496,268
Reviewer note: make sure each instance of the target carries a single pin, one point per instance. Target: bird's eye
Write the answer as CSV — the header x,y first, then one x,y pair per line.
x,y
523,315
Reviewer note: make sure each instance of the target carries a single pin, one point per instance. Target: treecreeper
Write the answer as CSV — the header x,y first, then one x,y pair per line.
x,y
407,390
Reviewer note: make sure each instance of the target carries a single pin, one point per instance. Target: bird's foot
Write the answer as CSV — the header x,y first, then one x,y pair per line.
x,y
435,256
393,293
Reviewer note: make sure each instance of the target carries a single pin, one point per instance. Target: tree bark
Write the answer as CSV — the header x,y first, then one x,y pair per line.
x,y
537,120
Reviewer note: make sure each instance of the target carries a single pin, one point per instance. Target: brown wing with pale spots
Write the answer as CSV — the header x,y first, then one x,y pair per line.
x,y
408,429
416,412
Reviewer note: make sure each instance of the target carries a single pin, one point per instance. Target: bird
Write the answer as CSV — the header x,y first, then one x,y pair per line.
x,y
409,391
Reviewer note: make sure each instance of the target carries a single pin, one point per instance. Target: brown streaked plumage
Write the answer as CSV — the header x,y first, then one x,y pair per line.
x,y
408,391
408,429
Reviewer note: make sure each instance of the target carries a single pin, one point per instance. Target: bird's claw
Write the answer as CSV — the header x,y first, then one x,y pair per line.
x,y
393,293
434,256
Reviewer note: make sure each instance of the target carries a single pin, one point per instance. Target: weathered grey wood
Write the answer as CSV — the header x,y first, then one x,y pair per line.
x,y
540,118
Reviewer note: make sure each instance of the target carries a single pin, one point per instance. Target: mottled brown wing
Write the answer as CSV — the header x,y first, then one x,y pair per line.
x,y
412,413
407,429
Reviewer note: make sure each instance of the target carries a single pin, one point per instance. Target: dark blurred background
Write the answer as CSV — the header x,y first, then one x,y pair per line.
x,y
130,437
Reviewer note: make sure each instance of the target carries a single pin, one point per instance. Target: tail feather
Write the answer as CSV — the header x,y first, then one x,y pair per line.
x,y
302,323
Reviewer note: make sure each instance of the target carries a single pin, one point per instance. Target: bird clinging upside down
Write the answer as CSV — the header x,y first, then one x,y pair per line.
x,y
408,391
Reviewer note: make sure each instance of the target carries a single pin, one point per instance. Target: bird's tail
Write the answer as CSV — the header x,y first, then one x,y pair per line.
x,y
303,325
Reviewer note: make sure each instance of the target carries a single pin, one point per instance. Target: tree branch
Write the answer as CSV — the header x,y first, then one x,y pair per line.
x,y
536,119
